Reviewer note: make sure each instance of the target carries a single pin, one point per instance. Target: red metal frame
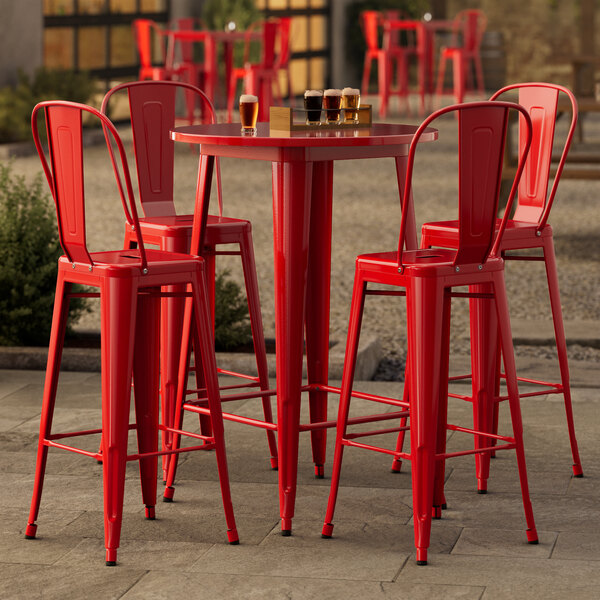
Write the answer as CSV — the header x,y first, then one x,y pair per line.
x,y
427,277
129,285
527,229
152,108
302,185
371,21
259,78
468,29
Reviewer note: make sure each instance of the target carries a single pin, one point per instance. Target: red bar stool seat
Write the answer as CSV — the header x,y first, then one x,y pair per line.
x,y
129,284
152,109
529,228
427,279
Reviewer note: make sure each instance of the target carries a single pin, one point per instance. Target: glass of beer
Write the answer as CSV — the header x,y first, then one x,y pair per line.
x,y
350,102
313,101
248,113
332,102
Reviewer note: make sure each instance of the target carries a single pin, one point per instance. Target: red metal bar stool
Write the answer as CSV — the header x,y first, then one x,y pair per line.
x,y
258,78
385,55
527,229
152,109
428,278
129,283
464,54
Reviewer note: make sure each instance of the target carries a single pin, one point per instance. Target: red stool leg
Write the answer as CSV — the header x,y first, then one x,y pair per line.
x,y
118,336
356,312
484,331
425,316
561,347
145,389
458,73
258,336
189,335
513,398
57,336
397,463
439,500
317,304
203,327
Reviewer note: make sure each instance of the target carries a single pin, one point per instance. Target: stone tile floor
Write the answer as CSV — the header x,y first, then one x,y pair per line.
x,y
478,550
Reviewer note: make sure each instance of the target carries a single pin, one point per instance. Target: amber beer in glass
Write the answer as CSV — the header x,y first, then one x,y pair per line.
x,y
313,102
332,103
248,113
350,103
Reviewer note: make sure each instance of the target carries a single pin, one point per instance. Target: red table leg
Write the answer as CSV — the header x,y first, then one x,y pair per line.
x,y
317,303
292,182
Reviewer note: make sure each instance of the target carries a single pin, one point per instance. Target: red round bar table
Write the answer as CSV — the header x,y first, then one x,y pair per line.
x,y
302,164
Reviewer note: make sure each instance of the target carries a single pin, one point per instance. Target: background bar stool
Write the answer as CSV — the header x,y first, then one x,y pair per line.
x,y
152,109
529,228
129,283
148,37
470,26
428,277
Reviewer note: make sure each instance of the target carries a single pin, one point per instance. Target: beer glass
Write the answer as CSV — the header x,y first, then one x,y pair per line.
x,y
332,102
313,101
350,102
248,113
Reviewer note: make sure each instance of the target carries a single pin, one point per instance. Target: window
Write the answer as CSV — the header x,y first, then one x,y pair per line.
x,y
96,35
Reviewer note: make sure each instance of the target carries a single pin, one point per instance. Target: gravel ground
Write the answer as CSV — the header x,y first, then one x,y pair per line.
x,y
366,219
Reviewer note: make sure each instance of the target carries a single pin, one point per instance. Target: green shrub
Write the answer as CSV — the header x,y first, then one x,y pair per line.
x,y
232,324
29,250
17,102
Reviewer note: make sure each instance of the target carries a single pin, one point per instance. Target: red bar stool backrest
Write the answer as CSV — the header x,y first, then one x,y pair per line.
x,y
470,26
187,24
283,56
541,102
369,21
143,30
152,110
482,133
65,174
269,37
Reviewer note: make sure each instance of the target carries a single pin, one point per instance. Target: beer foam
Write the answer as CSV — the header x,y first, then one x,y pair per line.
x,y
313,93
347,91
332,92
248,98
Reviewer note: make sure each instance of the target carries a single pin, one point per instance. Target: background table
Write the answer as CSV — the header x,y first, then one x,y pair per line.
x,y
302,164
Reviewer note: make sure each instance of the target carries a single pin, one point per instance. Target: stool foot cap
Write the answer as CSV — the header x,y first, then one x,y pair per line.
x,y
327,530
150,513
577,471
169,493
319,471
444,506
232,537
286,532
30,531
274,464
111,563
396,466
482,491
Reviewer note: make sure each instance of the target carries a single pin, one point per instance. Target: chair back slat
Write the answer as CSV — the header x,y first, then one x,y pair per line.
x,y
65,173
541,101
482,128
481,148
369,20
152,108
64,131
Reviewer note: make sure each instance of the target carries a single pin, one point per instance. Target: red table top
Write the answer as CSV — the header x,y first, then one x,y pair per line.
x,y
229,134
